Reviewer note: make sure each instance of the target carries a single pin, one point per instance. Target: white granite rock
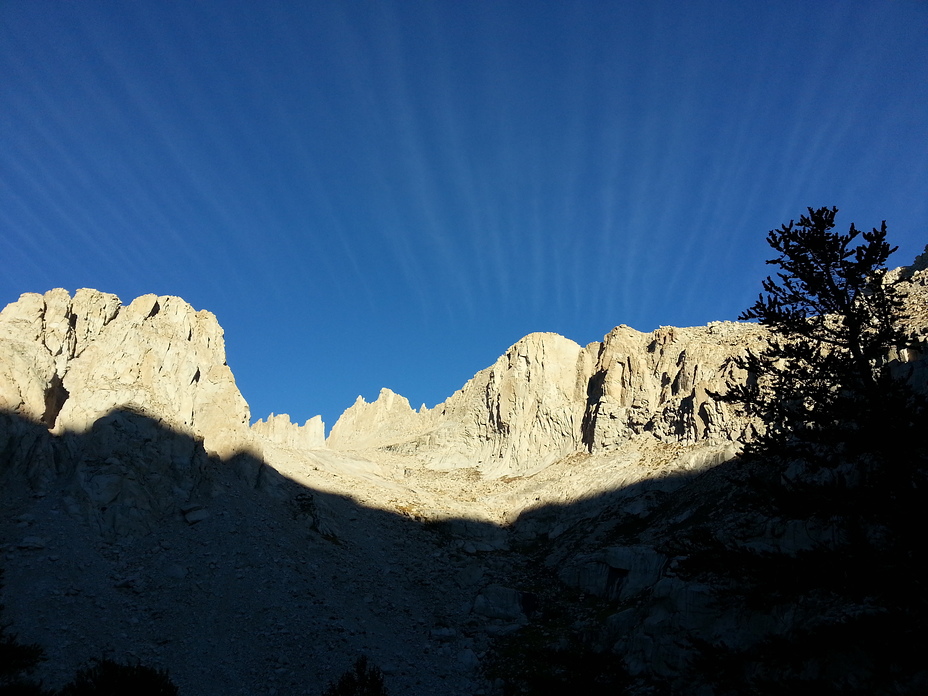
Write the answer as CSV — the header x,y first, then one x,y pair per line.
x,y
278,429
548,398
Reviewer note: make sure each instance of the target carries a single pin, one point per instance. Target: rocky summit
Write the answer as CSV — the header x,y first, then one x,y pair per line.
x,y
542,507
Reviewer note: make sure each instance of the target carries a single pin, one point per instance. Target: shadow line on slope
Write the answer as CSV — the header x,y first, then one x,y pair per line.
x,y
129,541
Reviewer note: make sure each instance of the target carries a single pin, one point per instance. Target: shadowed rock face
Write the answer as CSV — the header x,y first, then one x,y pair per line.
x,y
143,548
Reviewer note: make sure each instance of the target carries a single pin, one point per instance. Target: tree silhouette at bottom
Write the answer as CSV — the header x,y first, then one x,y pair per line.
x,y
109,678
364,679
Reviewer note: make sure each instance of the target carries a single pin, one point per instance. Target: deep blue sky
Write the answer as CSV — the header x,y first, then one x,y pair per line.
x,y
390,194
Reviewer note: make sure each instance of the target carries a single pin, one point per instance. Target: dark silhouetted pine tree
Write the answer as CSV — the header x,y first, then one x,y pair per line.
x,y
842,442
109,678
364,679
17,660
833,320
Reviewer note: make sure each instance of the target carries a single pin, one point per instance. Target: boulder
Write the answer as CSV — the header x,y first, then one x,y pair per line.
x,y
498,602
615,573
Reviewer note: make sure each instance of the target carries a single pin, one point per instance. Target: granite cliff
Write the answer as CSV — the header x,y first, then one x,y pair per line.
x,y
68,361
143,515
547,398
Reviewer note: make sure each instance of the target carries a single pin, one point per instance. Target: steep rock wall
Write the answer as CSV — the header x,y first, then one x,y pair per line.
x,y
278,429
661,383
517,416
124,402
69,361
520,414
547,397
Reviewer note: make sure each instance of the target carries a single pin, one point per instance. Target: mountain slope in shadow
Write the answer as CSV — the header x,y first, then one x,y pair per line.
x,y
649,559
247,582
243,583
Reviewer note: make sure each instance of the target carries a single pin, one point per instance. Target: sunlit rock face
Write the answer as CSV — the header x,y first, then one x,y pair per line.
x,y
279,430
547,397
38,337
375,424
521,414
661,383
68,361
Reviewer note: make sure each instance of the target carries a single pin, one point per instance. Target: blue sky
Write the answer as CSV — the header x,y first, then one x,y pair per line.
x,y
376,194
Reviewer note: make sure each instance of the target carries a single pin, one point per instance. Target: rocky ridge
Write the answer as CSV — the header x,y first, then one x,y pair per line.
x,y
279,429
145,519
548,398
68,361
